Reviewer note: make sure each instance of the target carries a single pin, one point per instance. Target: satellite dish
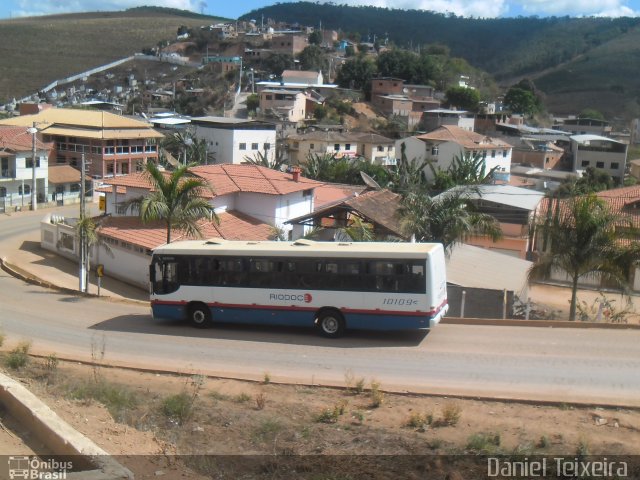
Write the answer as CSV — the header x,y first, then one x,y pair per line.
x,y
370,182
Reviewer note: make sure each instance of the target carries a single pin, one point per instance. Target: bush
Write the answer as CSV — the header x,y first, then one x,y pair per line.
x,y
261,400
419,420
116,398
486,443
451,414
19,356
377,396
178,406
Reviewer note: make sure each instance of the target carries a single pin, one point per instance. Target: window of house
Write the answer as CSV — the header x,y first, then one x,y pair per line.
x,y
434,150
109,168
504,154
29,162
380,148
615,165
347,146
243,146
27,190
311,146
3,192
585,163
139,165
336,147
599,164
75,187
546,160
493,154
254,146
267,146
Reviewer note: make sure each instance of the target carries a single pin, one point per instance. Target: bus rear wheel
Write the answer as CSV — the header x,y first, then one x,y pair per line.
x,y
199,315
331,323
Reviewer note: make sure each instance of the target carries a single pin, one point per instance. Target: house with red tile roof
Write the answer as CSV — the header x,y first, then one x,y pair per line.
x,y
16,168
440,146
267,195
625,202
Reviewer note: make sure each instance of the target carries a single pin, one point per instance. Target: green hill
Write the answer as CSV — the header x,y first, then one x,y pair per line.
x,y
577,62
35,51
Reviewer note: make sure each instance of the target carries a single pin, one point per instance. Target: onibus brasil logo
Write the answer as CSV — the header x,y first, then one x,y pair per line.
x,y
34,468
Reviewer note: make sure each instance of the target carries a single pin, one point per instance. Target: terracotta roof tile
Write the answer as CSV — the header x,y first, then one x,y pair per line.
x,y
470,140
233,178
64,174
17,139
233,226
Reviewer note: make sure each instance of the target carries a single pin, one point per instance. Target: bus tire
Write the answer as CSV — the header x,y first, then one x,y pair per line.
x,y
331,323
199,315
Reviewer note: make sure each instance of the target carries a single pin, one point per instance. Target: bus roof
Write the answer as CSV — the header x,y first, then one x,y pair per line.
x,y
301,248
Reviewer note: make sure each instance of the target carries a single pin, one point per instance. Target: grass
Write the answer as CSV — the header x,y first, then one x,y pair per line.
x,y
48,41
267,430
178,406
19,356
484,443
118,399
241,398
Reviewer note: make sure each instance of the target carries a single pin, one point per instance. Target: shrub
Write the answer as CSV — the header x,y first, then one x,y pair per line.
x,y
331,415
261,400
242,398
484,442
19,356
377,396
451,414
267,378
419,420
178,406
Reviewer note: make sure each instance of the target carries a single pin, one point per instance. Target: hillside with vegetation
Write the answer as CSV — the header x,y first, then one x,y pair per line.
x,y
577,63
35,51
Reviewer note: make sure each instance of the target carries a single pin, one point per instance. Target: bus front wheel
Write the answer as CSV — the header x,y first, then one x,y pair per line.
x,y
331,323
199,315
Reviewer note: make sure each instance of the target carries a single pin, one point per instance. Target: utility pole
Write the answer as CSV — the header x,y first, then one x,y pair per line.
x,y
34,199
83,233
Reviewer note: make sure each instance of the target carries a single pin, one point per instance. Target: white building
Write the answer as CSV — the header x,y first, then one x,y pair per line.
x,y
249,201
16,168
599,152
231,140
443,144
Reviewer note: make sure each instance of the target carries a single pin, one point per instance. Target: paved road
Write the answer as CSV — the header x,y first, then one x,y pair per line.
x,y
592,365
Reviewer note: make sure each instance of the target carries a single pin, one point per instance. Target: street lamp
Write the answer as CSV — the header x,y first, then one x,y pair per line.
x,y
33,131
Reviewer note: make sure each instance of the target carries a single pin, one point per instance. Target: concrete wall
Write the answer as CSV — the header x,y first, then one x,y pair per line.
x,y
478,302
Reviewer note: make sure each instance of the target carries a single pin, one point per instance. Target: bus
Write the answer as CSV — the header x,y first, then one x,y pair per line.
x,y
333,286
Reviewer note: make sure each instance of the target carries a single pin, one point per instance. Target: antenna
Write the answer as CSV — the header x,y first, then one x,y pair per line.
x,y
370,182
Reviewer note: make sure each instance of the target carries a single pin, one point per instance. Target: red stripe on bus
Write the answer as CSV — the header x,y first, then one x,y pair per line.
x,y
307,309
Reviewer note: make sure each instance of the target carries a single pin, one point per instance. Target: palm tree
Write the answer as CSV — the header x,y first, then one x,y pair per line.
x,y
465,169
584,241
175,198
448,219
263,160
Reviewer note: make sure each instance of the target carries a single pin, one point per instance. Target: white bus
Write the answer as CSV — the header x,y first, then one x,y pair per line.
x,y
334,286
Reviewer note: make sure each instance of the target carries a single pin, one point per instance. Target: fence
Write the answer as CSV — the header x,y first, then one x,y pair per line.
x,y
479,302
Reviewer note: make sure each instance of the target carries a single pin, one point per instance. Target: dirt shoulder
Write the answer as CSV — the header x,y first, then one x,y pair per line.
x,y
190,426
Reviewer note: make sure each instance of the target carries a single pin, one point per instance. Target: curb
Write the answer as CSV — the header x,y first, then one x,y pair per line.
x,y
537,323
335,386
27,277
58,435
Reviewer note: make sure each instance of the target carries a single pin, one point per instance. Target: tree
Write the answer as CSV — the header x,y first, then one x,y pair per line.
x,y
175,198
522,98
315,37
448,219
319,112
408,175
591,113
584,241
312,58
592,180
464,98
253,102
356,73
274,162
465,169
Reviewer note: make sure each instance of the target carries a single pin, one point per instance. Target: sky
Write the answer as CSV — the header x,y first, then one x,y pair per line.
x,y
227,9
